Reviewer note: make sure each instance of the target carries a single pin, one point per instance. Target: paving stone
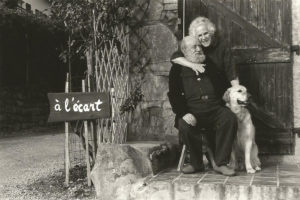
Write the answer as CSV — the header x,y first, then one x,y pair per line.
x,y
183,191
215,176
211,186
289,184
268,170
166,179
206,191
196,175
266,175
232,182
265,178
289,180
259,192
155,191
241,177
289,173
289,176
192,181
263,182
213,181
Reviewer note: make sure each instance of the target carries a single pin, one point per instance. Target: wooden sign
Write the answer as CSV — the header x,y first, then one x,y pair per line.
x,y
78,106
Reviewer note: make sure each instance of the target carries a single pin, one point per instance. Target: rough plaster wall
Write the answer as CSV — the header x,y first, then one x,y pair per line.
x,y
296,68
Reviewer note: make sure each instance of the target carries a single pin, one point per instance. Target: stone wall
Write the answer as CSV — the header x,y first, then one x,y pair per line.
x,y
296,67
22,107
153,119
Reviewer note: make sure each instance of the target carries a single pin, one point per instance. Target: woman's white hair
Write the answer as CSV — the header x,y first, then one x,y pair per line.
x,y
200,21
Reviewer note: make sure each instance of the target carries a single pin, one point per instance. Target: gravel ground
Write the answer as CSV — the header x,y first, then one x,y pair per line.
x,y
31,168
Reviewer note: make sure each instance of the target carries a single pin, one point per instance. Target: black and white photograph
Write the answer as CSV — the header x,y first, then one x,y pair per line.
x,y
150,99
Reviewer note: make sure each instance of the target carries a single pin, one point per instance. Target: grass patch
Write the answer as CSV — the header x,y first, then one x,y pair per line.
x,y
53,187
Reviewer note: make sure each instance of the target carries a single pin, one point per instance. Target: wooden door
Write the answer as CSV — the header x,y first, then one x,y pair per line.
x,y
259,32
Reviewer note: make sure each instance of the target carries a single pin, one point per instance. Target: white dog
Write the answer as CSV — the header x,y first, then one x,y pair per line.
x,y
244,150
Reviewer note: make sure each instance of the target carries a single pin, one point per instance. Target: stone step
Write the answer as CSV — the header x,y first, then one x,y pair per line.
x,y
147,171
119,166
161,154
276,181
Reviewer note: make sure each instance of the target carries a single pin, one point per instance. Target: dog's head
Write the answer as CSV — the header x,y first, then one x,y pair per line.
x,y
236,95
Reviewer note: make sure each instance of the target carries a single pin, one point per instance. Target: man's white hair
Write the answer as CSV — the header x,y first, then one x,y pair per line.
x,y
184,43
200,21
186,47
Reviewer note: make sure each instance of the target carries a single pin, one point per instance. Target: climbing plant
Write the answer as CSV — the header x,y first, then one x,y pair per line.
x,y
91,26
88,23
98,31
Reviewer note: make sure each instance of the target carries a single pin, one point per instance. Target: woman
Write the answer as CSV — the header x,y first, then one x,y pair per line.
x,y
213,47
198,101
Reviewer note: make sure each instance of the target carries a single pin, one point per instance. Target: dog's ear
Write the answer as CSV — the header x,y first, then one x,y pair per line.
x,y
226,96
249,95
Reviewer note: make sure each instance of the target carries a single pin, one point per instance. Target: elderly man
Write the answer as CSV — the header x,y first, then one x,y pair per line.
x,y
197,102
214,47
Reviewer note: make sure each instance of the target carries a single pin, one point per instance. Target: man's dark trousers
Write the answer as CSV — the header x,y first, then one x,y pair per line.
x,y
223,124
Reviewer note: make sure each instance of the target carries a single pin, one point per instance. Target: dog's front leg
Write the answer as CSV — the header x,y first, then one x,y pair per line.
x,y
249,168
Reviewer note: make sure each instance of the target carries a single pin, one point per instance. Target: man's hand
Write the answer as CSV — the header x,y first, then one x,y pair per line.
x,y
198,68
190,119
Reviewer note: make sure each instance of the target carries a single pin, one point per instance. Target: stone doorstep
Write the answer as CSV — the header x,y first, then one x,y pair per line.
x,y
145,146
161,190
161,154
120,167
277,180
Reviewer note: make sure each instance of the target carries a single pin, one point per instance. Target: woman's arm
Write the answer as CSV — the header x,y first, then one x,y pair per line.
x,y
197,67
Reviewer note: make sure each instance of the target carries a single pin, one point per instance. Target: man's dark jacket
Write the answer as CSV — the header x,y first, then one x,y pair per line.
x,y
176,91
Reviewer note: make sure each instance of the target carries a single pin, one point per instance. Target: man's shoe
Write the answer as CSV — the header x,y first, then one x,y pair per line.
x,y
189,169
226,171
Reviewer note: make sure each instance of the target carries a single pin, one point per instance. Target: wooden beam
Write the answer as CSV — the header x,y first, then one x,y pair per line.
x,y
262,55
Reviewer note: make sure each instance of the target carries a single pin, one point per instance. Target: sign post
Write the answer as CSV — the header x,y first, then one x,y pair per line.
x,y
65,107
67,153
87,156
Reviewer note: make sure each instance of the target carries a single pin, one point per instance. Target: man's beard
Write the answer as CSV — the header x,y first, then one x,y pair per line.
x,y
195,58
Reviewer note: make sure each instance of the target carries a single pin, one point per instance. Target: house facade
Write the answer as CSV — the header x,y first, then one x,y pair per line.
x,y
262,44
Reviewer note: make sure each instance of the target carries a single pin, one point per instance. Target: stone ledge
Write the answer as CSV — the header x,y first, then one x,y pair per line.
x,y
185,191
161,154
278,180
120,166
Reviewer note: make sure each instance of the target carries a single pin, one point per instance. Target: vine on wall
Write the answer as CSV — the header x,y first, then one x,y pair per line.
x,y
89,25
